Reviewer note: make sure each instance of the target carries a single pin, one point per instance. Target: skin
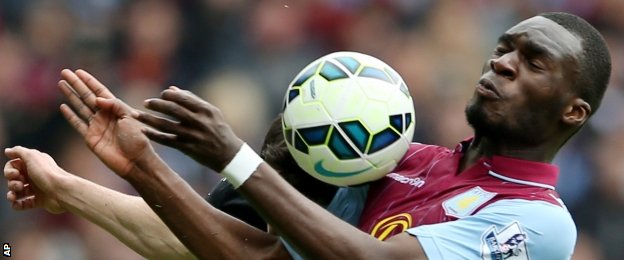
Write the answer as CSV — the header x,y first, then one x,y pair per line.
x,y
198,129
532,87
532,69
35,180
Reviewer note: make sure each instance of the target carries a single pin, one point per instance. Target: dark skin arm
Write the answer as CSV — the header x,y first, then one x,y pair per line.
x,y
118,140
194,221
200,131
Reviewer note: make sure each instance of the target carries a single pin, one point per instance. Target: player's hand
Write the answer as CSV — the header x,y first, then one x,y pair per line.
x,y
31,178
103,121
197,128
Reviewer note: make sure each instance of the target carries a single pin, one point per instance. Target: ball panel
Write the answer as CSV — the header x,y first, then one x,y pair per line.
x,y
396,78
331,72
341,147
383,139
293,93
374,115
349,62
396,121
343,100
350,121
314,135
303,77
299,144
371,72
357,133
306,115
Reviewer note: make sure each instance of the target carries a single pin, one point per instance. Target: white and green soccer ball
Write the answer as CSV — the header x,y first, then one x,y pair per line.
x,y
348,118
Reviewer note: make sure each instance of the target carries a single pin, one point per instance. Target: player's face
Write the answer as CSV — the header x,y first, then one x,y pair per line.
x,y
521,93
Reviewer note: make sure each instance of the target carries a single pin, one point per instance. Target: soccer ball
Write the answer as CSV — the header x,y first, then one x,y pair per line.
x,y
348,118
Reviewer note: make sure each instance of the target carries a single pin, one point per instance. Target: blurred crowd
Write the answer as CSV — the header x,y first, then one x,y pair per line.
x,y
241,55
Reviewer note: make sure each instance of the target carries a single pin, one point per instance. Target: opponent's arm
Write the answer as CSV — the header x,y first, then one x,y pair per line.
x,y
119,142
206,231
35,180
201,132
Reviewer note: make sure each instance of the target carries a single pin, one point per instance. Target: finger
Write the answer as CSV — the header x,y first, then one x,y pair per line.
x,y
77,104
13,174
161,138
15,185
84,93
21,200
184,98
17,152
9,167
11,196
99,89
169,108
24,203
115,106
15,170
158,123
74,120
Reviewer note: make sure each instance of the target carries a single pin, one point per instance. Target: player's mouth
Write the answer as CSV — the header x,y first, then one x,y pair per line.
x,y
486,89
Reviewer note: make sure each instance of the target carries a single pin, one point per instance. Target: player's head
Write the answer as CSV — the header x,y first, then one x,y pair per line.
x,y
546,76
275,153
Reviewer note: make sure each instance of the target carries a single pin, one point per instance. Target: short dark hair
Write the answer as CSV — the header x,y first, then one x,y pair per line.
x,y
275,153
595,61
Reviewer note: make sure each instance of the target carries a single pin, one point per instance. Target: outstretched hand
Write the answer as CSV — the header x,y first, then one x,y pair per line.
x,y
104,122
197,128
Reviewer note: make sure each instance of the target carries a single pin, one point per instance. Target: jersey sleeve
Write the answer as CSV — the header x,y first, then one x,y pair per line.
x,y
347,205
506,229
225,198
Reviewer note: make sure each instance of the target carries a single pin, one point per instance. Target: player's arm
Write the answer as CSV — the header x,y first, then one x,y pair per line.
x,y
206,231
117,139
35,180
200,131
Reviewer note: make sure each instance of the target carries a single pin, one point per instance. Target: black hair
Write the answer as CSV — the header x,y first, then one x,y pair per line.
x,y
594,62
275,152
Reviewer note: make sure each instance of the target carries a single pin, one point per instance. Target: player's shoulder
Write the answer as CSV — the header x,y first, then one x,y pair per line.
x,y
505,229
548,229
538,214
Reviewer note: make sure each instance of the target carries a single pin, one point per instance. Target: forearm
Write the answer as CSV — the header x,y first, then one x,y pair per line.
x,y
316,234
206,231
126,217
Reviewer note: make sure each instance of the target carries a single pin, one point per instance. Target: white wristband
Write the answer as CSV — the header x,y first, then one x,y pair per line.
x,y
244,163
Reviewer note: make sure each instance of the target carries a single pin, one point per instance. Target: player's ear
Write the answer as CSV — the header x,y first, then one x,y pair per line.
x,y
576,112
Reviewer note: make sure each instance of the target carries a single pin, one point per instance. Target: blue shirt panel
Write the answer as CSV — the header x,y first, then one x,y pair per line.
x,y
347,205
506,229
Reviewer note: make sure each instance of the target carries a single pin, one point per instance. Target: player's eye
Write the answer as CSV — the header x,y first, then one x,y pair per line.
x,y
535,64
498,51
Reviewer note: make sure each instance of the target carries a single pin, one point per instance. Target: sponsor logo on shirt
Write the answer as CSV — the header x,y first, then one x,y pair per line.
x,y
509,243
386,227
417,182
464,204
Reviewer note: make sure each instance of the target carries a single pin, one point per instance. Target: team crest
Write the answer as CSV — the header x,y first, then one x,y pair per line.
x,y
466,203
509,243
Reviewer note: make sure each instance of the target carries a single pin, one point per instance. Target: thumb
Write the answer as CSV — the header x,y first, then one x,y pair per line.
x,y
114,106
16,152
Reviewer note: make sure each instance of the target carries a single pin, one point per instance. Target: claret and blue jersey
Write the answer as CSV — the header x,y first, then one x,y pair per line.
x,y
499,208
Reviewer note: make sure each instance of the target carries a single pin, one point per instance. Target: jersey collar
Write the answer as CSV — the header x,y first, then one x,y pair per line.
x,y
515,170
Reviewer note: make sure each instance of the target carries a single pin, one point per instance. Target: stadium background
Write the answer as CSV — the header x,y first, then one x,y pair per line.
x,y
241,54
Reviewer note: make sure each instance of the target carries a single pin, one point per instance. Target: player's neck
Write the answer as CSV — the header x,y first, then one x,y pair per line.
x,y
483,146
